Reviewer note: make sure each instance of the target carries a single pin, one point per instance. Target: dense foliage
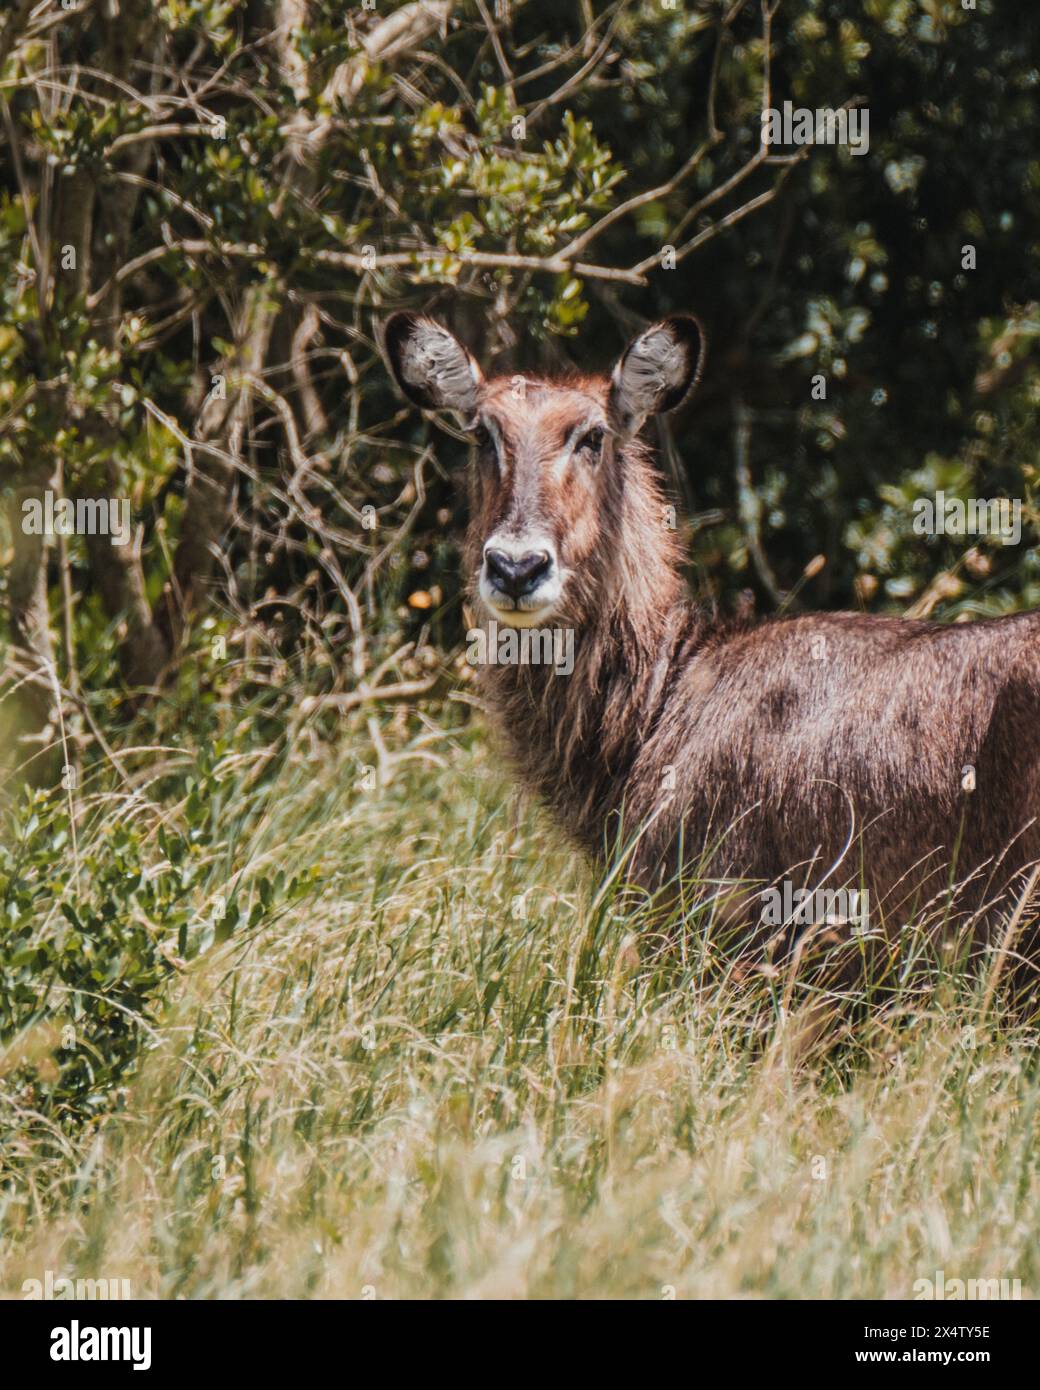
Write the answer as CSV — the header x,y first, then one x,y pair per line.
x,y
256,232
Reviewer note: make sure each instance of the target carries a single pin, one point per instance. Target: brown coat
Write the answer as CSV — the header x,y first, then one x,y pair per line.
x,y
835,749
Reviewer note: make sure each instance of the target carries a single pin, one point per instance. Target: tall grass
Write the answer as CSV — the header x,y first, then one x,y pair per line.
x,y
450,1071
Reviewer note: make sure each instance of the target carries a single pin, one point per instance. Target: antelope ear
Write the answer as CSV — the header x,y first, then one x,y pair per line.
x,y
431,366
655,372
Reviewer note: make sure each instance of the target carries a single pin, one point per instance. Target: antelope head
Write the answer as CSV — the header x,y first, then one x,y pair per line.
x,y
548,483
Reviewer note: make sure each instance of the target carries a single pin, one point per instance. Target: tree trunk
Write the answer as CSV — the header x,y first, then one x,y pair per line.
x,y
29,715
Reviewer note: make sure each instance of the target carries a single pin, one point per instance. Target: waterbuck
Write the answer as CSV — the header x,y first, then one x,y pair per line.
x,y
834,749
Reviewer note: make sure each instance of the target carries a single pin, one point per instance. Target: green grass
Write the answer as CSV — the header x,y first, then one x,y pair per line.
x,y
412,1083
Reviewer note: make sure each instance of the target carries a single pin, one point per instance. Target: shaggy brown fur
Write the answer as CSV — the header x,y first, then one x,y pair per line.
x,y
832,749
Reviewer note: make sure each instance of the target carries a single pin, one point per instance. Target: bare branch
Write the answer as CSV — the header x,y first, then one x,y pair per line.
x,y
553,265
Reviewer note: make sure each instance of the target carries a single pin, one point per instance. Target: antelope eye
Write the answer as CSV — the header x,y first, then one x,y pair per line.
x,y
592,440
481,435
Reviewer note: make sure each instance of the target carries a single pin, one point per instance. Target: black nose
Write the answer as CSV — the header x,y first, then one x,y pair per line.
x,y
517,577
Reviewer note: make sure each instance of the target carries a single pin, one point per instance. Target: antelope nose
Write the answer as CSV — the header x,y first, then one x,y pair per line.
x,y
517,577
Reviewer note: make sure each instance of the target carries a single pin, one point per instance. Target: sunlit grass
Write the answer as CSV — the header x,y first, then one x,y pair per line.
x,y
452,1072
